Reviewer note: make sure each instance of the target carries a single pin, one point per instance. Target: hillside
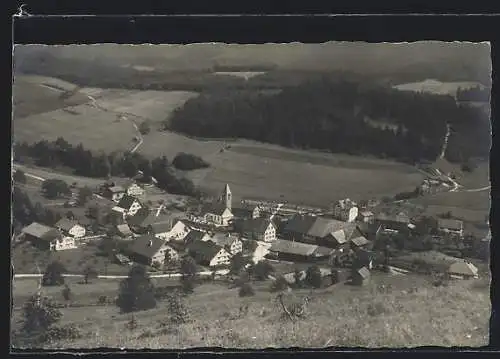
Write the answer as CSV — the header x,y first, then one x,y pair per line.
x,y
392,311
342,116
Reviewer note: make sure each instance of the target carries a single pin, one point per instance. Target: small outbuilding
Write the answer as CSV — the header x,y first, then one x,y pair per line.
x,y
361,276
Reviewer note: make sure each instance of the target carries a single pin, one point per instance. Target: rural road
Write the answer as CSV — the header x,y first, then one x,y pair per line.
x,y
123,116
43,174
151,275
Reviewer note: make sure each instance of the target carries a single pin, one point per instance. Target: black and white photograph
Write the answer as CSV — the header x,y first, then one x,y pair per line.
x,y
251,196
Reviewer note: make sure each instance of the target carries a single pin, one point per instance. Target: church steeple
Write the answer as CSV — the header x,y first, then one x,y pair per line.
x,y
226,197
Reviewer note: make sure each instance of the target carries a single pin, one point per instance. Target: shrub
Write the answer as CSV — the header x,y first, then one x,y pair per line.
x,y
102,299
66,293
88,274
279,284
144,128
375,309
54,274
40,313
187,162
57,333
262,270
246,290
178,311
313,276
136,291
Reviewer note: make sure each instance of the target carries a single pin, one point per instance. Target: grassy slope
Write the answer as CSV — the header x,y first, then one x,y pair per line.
x,y
338,316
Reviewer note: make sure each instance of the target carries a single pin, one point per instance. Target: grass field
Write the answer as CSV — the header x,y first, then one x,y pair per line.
x,y
411,313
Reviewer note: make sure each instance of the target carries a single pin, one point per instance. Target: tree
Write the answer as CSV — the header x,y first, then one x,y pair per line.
x,y
279,284
262,270
187,162
54,274
237,263
144,128
313,276
250,246
88,274
297,276
66,293
136,292
246,290
188,274
19,176
40,313
54,188
84,194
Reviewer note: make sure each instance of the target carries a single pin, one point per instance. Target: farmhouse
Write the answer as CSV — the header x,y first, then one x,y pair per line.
x,y
179,231
70,228
246,211
392,223
260,229
128,205
320,231
231,243
195,236
114,193
297,251
208,253
47,238
366,217
345,210
360,276
451,226
149,250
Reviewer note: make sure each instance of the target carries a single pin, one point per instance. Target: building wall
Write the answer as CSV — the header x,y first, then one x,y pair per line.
x,y
221,258
117,196
269,234
63,244
236,247
135,190
134,208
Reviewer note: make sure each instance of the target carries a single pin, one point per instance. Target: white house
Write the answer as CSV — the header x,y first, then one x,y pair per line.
x,y
345,210
134,190
178,231
63,243
231,243
451,226
149,250
128,205
260,229
208,253
70,228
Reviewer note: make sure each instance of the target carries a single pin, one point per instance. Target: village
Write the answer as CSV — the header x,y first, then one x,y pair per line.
x,y
132,223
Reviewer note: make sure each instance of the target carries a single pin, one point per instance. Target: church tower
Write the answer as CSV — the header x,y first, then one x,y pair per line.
x,y
226,197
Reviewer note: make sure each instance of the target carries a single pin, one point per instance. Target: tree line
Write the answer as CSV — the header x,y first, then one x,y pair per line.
x,y
86,163
339,116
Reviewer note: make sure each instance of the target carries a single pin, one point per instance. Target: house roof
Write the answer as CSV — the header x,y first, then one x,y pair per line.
x,y
194,236
399,217
66,224
315,226
216,208
223,239
291,247
126,201
366,213
345,203
363,272
463,267
257,225
453,224
203,250
124,229
162,227
146,246
139,217
322,251
41,231
360,241
116,189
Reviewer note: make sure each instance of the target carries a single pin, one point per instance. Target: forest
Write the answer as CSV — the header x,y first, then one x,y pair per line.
x,y
341,116
83,162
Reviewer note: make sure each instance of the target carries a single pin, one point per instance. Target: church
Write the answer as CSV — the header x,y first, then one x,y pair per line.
x,y
219,213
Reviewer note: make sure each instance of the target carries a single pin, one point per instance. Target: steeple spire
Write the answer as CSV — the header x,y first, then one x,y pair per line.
x,y
226,197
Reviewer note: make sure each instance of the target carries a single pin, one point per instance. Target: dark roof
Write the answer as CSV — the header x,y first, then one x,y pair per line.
x,y
360,241
257,225
194,236
139,217
146,246
399,217
453,224
315,226
41,231
203,251
322,251
126,202
223,239
215,208
124,229
65,224
162,227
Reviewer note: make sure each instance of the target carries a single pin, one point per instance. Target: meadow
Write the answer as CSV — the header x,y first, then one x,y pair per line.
x,y
391,311
437,87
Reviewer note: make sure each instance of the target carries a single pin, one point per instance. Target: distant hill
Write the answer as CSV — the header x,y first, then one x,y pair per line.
x,y
411,61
